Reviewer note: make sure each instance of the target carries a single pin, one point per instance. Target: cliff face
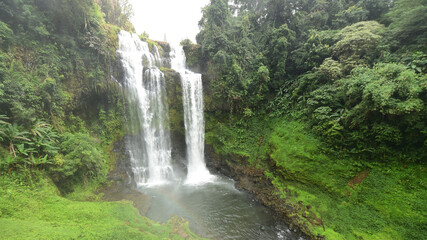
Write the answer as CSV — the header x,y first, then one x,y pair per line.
x,y
120,185
176,116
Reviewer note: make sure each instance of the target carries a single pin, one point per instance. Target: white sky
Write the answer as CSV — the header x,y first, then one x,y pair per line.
x,y
178,19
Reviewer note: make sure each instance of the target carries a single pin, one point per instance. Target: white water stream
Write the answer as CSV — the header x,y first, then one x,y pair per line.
x,y
150,148
192,96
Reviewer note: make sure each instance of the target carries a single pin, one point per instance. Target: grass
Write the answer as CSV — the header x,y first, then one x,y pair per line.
x,y
388,204
245,138
38,212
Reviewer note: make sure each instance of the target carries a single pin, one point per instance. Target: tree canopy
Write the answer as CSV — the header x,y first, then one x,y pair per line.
x,y
355,68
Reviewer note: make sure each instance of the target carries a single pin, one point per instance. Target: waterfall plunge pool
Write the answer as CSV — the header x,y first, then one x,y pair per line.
x,y
216,210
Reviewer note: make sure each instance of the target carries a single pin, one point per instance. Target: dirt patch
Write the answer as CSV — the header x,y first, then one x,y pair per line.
x,y
116,192
178,227
358,179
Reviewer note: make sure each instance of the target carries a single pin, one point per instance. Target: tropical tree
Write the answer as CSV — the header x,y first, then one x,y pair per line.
x,y
356,44
278,44
408,23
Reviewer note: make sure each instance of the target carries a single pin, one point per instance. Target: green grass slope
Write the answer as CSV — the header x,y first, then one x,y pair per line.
x,y
39,213
337,196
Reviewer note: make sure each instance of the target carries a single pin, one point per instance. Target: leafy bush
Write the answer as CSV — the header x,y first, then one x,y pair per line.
x,y
28,150
80,159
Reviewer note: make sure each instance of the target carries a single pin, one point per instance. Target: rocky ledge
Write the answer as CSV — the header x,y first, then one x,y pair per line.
x,y
119,184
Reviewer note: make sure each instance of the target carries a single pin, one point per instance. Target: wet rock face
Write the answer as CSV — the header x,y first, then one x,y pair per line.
x,y
122,172
176,118
164,50
179,149
121,186
216,164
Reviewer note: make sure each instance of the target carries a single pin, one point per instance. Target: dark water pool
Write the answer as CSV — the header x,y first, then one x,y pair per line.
x,y
216,211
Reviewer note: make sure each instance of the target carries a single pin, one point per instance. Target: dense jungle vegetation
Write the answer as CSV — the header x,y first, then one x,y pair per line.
x,y
329,99
60,112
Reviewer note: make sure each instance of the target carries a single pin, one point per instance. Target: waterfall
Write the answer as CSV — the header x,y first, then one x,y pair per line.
x,y
192,89
144,88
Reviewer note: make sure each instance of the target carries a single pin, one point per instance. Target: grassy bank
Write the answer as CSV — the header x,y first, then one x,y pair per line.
x,y
38,212
336,195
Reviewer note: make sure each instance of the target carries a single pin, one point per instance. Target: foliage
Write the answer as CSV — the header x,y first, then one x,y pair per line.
x,y
278,46
408,24
313,51
418,62
64,112
351,75
56,67
110,124
332,69
373,112
118,12
13,134
287,37
28,149
389,89
349,16
80,160
192,54
356,44
5,35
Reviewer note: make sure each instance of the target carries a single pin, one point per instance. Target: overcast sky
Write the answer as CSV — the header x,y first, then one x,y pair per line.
x,y
178,19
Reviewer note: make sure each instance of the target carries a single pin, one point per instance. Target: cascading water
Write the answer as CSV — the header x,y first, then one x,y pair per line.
x,y
192,89
144,86
217,211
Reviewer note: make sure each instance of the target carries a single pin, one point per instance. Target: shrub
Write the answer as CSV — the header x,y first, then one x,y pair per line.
x,y
80,159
